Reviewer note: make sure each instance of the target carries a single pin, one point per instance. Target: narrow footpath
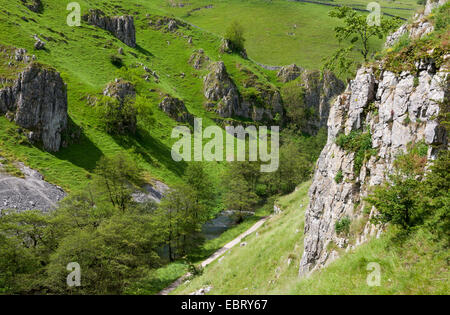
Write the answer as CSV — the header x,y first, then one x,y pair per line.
x,y
216,255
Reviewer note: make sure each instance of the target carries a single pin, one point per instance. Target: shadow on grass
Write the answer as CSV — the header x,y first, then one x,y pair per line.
x,y
143,51
83,154
152,150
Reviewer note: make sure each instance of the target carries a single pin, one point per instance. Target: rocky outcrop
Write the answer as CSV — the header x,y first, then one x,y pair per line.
x,y
176,109
39,44
151,192
198,60
121,27
37,101
226,47
166,24
33,5
420,27
289,73
319,93
397,109
224,97
120,89
219,88
31,192
432,4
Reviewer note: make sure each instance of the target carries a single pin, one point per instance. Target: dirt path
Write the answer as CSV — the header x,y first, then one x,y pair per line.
x,y
216,255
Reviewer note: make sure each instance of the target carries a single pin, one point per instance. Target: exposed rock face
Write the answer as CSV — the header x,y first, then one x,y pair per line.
x,y
121,27
166,24
218,87
172,26
319,94
397,109
120,89
224,96
33,5
176,109
38,102
420,26
151,192
289,73
226,47
198,59
433,4
39,44
28,193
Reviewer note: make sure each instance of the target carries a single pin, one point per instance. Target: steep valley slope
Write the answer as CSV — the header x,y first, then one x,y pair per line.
x,y
391,105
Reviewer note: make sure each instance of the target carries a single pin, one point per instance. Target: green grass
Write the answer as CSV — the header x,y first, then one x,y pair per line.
x,y
414,266
82,56
262,264
278,32
167,274
410,265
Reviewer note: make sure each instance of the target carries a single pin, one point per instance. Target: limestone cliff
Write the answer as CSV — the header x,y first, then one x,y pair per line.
x,y
389,109
37,101
256,101
420,27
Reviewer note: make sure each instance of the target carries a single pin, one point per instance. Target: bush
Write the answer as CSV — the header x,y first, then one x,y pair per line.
x,y
358,142
235,35
293,96
399,200
339,177
117,117
194,270
343,225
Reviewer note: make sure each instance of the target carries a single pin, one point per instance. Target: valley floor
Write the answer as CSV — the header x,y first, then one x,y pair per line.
x,y
269,263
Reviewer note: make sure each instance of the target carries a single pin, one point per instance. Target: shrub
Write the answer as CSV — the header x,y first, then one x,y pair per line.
x,y
339,177
343,225
293,95
117,117
195,270
398,201
358,142
235,35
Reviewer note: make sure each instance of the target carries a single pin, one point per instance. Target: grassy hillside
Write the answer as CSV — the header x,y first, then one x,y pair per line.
x,y
82,55
270,257
278,32
415,265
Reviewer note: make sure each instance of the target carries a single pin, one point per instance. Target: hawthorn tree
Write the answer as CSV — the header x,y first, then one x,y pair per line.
x,y
358,29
